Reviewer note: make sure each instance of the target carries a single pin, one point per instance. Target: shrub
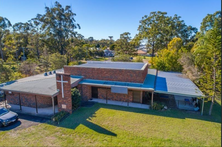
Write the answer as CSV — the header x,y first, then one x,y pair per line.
x,y
76,98
73,63
59,116
139,59
123,58
157,106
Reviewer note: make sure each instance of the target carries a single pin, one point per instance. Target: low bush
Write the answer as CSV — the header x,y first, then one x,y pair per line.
x,y
123,58
73,63
139,59
59,116
76,98
157,106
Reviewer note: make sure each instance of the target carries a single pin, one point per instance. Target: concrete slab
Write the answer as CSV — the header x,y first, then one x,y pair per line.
x,y
120,103
44,112
181,104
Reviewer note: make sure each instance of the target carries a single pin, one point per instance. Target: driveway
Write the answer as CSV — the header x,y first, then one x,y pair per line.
x,y
25,121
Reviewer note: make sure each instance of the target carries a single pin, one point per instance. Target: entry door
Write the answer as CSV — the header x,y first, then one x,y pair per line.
x,y
94,92
136,96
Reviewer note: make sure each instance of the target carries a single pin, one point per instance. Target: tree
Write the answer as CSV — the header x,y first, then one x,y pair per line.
x,y
112,47
5,24
59,25
167,59
57,61
159,29
78,53
123,45
35,43
28,68
21,33
208,59
76,98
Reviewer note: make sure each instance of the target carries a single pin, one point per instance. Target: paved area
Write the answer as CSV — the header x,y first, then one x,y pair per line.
x,y
119,103
24,121
181,104
44,112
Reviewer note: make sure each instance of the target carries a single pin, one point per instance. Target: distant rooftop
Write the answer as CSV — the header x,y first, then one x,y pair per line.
x,y
114,65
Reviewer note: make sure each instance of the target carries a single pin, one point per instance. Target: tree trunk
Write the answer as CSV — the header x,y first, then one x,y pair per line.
x,y
214,87
37,46
1,50
152,53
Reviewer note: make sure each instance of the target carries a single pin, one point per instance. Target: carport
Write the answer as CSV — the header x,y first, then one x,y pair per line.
x,y
35,94
177,84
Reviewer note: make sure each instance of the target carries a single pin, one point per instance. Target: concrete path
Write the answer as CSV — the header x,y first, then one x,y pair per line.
x,y
119,103
44,112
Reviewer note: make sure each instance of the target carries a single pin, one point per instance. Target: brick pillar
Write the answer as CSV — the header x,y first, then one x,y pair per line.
x,y
65,99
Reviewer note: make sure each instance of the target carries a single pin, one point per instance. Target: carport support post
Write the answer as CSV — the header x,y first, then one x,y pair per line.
x,y
36,105
53,105
152,101
106,94
202,106
20,102
5,100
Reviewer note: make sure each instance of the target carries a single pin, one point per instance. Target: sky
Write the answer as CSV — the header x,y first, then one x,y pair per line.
x,y
103,18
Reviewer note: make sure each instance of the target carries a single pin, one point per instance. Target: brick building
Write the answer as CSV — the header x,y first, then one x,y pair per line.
x,y
117,81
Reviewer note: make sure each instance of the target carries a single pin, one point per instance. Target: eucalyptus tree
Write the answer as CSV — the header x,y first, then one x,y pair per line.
x,y
123,45
5,25
159,29
35,37
59,25
21,34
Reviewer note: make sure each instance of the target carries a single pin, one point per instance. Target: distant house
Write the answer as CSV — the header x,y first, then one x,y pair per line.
x,y
108,53
141,52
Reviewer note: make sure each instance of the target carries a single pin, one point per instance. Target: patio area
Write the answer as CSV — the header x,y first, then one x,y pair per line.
x,y
45,112
120,103
182,104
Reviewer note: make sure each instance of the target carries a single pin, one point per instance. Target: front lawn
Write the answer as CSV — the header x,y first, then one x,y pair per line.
x,y
103,125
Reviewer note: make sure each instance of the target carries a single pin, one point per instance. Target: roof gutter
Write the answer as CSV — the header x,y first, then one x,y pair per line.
x,y
53,95
181,94
131,88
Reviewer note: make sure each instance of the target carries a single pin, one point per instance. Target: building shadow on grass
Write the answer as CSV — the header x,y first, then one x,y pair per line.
x,y
175,113
83,116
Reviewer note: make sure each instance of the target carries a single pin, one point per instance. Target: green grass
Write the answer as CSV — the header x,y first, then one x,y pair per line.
x,y
146,58
107,125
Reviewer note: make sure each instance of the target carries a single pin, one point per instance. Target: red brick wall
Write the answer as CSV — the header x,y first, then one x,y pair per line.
x,y
29,100
85,91
64,104
124,75
102,93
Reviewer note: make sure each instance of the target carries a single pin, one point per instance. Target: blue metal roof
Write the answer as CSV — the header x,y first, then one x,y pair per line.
x,y
177,84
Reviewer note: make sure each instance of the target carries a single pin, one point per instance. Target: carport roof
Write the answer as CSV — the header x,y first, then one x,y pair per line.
x,y
38,84
177,84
